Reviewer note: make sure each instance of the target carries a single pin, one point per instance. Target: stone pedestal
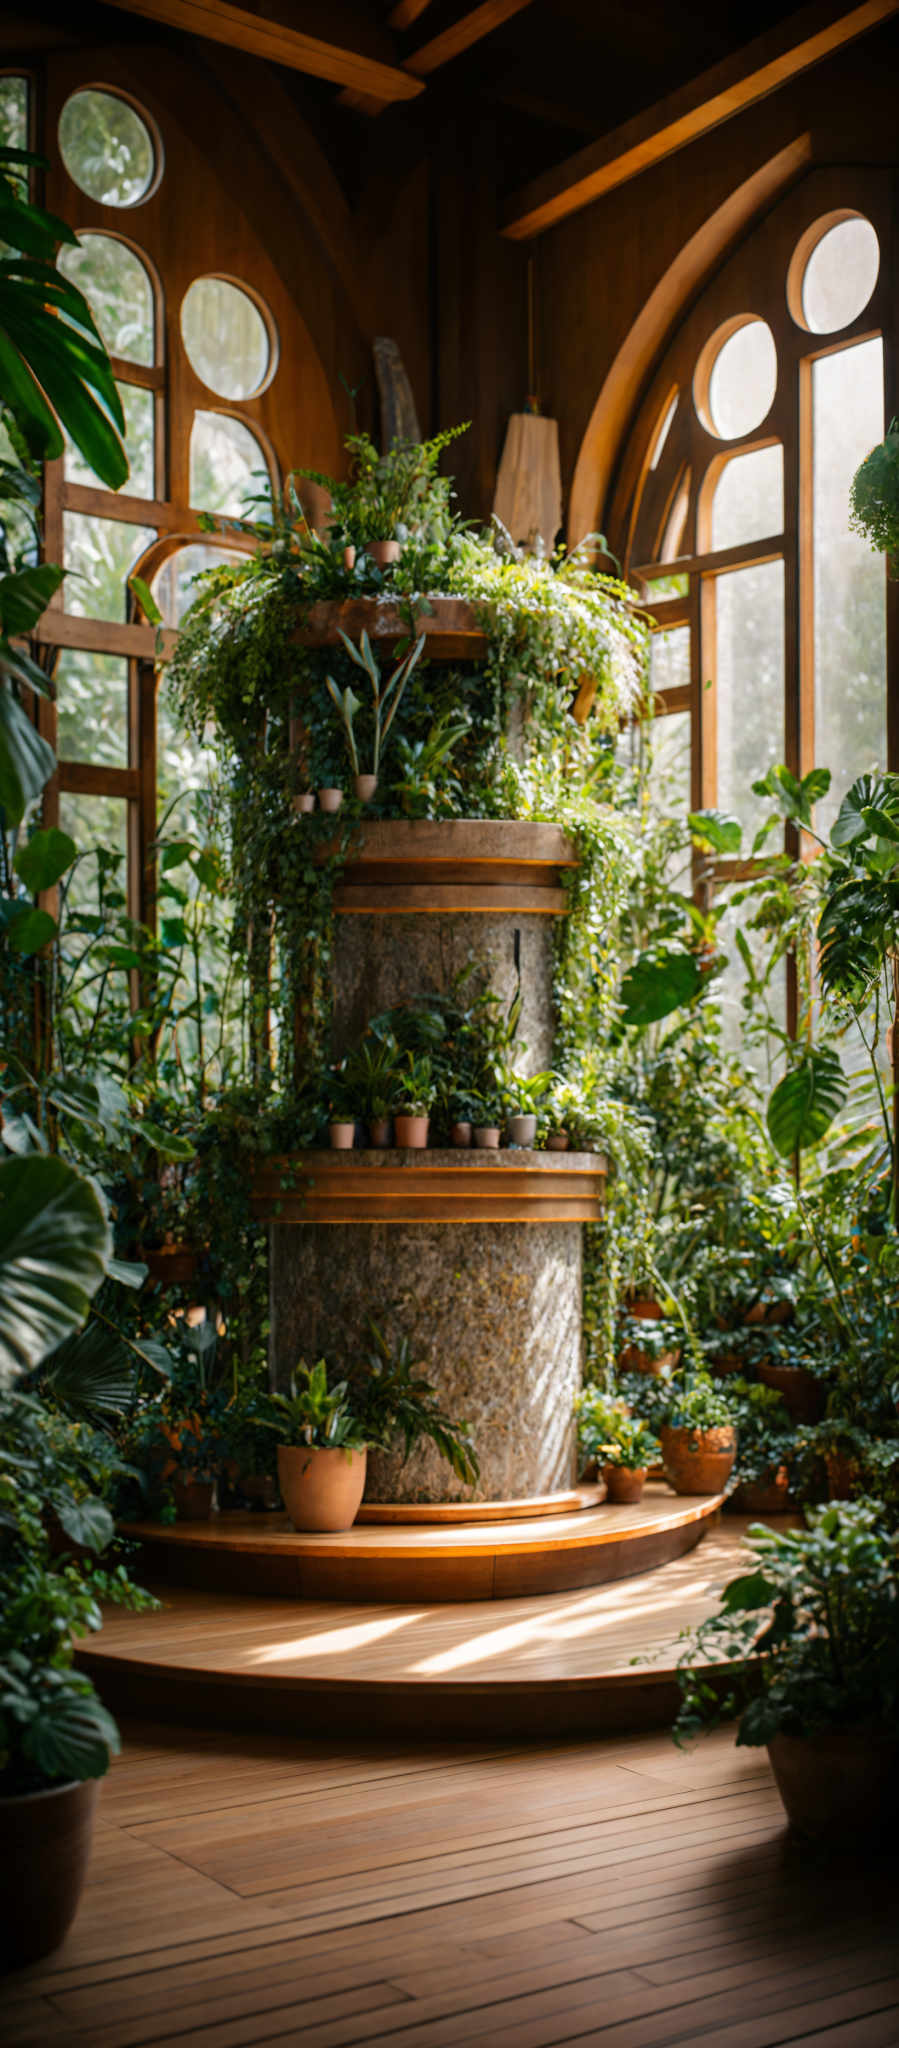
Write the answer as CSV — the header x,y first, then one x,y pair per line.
x,y
493,1312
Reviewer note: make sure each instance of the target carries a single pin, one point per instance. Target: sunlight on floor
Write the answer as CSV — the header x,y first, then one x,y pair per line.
x,y
334,1641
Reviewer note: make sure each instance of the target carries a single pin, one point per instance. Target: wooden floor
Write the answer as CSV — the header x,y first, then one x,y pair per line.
x,y
253,1889
552,1663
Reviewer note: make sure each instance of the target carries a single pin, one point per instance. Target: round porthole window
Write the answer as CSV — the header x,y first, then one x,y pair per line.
x,y
107,147
833,273
228,342
736,378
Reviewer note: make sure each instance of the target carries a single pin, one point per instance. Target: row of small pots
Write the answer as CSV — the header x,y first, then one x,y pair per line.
x,y
330,798
411,1134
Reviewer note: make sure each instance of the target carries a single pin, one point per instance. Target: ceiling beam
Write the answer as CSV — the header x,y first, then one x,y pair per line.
x,y
221,22
462,35
405,12
726,89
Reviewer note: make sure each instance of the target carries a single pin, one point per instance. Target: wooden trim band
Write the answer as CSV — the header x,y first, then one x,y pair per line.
x,y
396,1186
457,864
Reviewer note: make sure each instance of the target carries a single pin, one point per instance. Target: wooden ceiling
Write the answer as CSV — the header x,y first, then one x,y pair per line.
x,y
582,95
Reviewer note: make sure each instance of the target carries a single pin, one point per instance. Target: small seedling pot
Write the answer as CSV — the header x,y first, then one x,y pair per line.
x,y
305,802
379,1132
383,552
623,1486
365,786
487,1137
522,1130
557,1141
321,1489
330,799
460,1135
342,1136
411,1131
194,1499
349,556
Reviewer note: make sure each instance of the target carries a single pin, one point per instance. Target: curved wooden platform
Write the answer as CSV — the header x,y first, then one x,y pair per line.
x,y
549,1663
262,1554
511,1185
468,864
456,1513
449,625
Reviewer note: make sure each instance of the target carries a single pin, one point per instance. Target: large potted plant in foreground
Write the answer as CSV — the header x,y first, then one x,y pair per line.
x,y
813,1633
324,1428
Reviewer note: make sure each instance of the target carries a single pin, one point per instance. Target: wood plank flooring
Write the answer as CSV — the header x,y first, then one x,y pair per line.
x,y
256,1889
555,1664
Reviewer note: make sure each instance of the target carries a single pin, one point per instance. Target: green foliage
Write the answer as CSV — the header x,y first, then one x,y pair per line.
x,y
804,1104
629,1446
658,983
818,1611
397,1400
874,497
317,1412
54,1250
697,1403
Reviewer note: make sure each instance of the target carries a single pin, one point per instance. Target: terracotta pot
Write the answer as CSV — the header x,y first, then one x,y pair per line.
x,y
365,786
194,1499
623,1486
342,1135
843,1475
305,802
769,1496
461,1135
839,1782
172,1265
349,556
411,1131
383,552
321,1489
379,1132
261,1488
644,1308
804,1396
769,1312
557,1141
698,1460
47,1841
522,1130
724,1364
330,799
633,1358
486,1137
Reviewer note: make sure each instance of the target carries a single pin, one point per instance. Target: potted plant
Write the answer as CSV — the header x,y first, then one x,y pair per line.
x,y
322,1452
598,1415
766,1449
809,1638
624,1459
463,1111
342,1103
371,1070
385,705
874,498
524,1100
488,1129
648,1337
698,1438
416,1094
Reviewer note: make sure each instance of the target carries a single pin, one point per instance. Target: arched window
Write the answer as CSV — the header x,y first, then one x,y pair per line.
x,y
770,614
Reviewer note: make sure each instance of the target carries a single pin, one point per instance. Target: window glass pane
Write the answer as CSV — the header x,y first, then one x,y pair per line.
x,y
669,659
173,585
751,1040
226,338
92,707
106,148
663,432
119,292
224,455
669,773
840,275
13,112
749,498
743,380
99,557
140,435
94,821
749,606
850,580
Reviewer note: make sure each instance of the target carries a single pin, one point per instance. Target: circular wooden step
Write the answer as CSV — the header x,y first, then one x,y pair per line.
x,y
457,1513
262,1554
469,864
510,1185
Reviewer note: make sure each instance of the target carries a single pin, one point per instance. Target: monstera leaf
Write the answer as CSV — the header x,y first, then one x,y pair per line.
x,y
658,983
804,1104
54,1247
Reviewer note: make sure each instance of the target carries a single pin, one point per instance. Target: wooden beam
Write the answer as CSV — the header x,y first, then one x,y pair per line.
x,y
738,82
221,22
405,12
471,28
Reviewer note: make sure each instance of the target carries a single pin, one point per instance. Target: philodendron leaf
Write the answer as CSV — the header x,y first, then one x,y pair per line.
x,y
72,1736
25,595
34,931
44,858
26,761
54,1246
804,1104
166,1142
716,830
849,823
86,1522
658,983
